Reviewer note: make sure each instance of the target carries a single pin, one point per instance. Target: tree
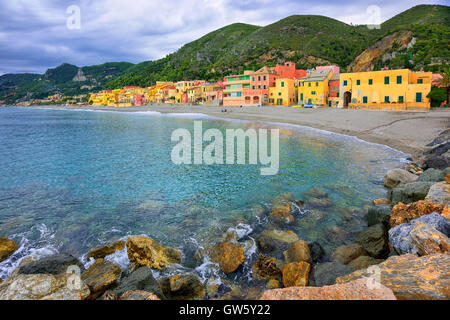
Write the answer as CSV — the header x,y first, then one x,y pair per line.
x,y
445,82
437,96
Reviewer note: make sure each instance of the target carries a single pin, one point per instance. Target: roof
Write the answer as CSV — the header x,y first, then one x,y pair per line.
x,y
318,75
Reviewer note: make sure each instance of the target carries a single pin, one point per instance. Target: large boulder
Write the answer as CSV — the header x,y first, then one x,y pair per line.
x,y
410,277
356,290
185,286
296,274
345,254
325,274
281,212
43,287
403,213
7,248
266,268
428,240
317,252
439,192
395,177
54,264
229,255
276,240
375,241
363,262
103,250
140,280
138,295
432,175
100,276
298,251
410,192
379,214
144,251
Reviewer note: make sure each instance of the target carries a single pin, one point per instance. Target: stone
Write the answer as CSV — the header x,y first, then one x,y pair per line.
x,y
108,295
144,251
363,262
403,213
395,177
272,284
345,254
320,202
103,250
281,212
297,252
356,290
411,277
186,286
410,192
428,240
379,214
212,287
375,241
229,255
100,276
337,233
296,274
432,175
54,264
140,280
316,250
381,201
43,287
447,178
272,240
316,192
326,273
7,248
266,268
437,161
439,193
138,295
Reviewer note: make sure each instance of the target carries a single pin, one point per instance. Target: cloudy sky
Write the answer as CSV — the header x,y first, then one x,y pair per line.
x,y
38,34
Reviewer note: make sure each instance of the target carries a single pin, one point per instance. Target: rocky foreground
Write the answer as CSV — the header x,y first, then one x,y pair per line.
x,y
403,254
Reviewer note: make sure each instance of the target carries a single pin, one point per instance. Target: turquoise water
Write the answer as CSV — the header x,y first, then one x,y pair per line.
x,y
70,180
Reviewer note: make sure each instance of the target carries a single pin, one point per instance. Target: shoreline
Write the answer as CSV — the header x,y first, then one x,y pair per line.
x,y
408,132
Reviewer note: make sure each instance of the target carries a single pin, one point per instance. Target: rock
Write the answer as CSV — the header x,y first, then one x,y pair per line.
x,y
7,248
411,277
43,287
109,295
316,250
284,196
395,177
428,240
345,254
101,276
296,274
272,284
381,201
432,175
356,290
297,252
320,202
271,240
316,192
447,178
363,262
326,273
138,295
185,286
236,292
229,255
437,161
379,214
375,241
212,287
140,280
54,264
403,213
439,193
281,212
144,251
400,239
102,251
266,268
337,233
410,192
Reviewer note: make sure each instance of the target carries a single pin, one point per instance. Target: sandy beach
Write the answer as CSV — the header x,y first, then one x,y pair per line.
x,y
409,132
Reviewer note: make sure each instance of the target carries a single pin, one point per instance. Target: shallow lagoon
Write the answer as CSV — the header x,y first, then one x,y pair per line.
x,y
71,180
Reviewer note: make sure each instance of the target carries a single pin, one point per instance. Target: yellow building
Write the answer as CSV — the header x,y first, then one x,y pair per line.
x,y
194,94
386,90
284,93
313,89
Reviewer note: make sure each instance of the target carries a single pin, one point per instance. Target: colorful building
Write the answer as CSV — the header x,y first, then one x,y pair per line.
x,y
386,90
313,89
194,94
234,89
333,91
212,94
288,70
284,93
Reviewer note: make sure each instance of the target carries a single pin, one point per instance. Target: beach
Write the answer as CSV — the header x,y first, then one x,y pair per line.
x,y
409,132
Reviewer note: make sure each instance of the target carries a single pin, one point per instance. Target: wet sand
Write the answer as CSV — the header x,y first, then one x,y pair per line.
x,y
409,132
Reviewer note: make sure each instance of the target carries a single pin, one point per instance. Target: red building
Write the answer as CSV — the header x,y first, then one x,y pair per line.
x,y
139,100
288,71
184,98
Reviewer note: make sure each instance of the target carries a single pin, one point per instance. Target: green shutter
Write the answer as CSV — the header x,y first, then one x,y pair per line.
x,y
364,99
400,99
345,82
370,81
386,99
399,79
419,81
419,97
358,82
386,80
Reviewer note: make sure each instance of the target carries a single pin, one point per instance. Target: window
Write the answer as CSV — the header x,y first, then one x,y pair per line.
x,y
253,87
386,80
419,81
313,92
386,99
370,81
364,99
337,95
264,87
259,78
399,79
317,84
419,97
282,83
253,78
264,78
345,82
279,93
301,96
400,99
358,82
259,87
309,84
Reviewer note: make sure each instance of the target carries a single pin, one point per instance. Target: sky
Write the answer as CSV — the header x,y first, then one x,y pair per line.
x,y
39,34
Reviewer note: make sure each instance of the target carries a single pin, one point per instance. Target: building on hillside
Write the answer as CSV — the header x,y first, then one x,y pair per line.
x,y
212,94
139,100
386,90
284,93
333,91
194,94
234,87
436,78
334,69
313,89
288,70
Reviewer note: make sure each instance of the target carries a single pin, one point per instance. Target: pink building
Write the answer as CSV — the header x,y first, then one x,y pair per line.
x,y
139,100
288,71
334,69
